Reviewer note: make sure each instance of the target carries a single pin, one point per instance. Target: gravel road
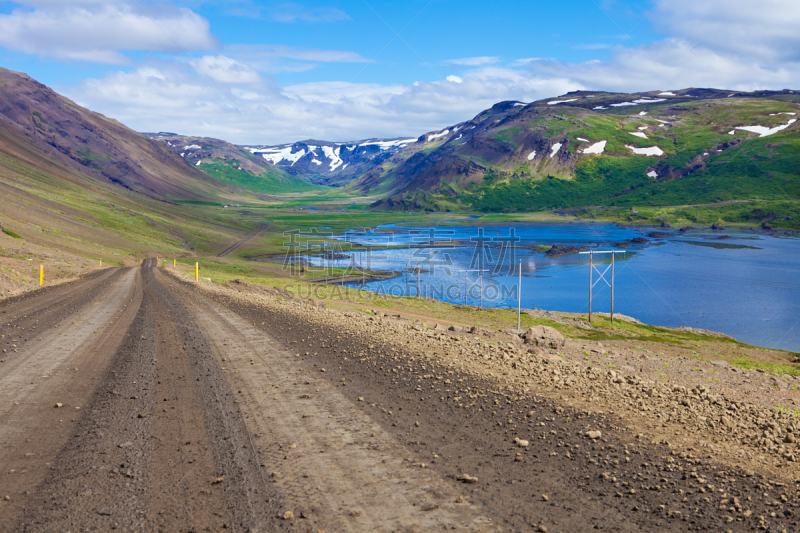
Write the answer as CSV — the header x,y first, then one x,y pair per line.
x,y
132,400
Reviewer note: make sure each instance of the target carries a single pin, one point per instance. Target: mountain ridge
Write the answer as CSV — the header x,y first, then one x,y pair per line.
x,y
662,135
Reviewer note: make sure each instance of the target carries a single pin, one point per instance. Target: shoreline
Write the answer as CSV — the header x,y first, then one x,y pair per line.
x,y
356,278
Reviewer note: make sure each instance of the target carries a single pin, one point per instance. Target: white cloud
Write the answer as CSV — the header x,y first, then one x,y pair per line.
x,y
60,3
673,63
88,30
341,91
454,79
596,46
173,97
292,12
473,61
226,70
253,51
727,44
766,30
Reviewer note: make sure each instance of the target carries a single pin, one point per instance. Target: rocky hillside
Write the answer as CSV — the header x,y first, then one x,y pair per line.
x,y
594,148
36,120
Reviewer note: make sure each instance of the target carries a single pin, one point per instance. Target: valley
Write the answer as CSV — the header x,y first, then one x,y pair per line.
x,y
280,390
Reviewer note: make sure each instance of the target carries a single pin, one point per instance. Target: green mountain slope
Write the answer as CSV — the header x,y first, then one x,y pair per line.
x,y
234,165
74,180
601,149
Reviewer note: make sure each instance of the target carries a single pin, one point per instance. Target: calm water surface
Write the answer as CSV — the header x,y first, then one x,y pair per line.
x,y
742,284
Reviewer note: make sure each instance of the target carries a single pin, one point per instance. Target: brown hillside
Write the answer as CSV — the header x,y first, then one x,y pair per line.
x,y
36,121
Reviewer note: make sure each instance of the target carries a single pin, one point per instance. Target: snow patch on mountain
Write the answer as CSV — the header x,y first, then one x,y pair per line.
x,y
437,135
385,145
556,147
333,155
764,131
649,151
640,101
276,155
596,148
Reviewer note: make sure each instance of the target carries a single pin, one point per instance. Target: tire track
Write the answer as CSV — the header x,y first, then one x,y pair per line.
x,y
163,446
331,462
63,366
248,501
182,494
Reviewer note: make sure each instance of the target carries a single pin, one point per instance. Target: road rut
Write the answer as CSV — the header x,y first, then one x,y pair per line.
x,y
331,461
62,364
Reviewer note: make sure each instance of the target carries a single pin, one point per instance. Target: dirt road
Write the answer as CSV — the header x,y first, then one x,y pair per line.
x,y
233,247
133,401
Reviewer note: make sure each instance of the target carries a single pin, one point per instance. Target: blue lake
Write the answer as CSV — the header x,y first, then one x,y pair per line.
x,y
746,285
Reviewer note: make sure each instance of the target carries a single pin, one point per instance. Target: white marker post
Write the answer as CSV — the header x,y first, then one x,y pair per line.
x,y
519,297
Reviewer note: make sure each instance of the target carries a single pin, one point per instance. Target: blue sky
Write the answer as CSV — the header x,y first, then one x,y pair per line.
x,y
262,72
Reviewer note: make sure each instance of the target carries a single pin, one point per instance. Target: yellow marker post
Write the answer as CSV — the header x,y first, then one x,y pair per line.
x,y
101,263
173,263
197,271
41,274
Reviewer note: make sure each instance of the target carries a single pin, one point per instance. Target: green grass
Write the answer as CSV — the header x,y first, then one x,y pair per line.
x,y
104,220
776,368
87,155
507,135
311,200
763,168
11,233
555,126
597,180
779,214
272,181
611,129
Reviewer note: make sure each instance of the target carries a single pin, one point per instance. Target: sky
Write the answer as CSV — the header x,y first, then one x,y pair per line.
x,y
261,72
